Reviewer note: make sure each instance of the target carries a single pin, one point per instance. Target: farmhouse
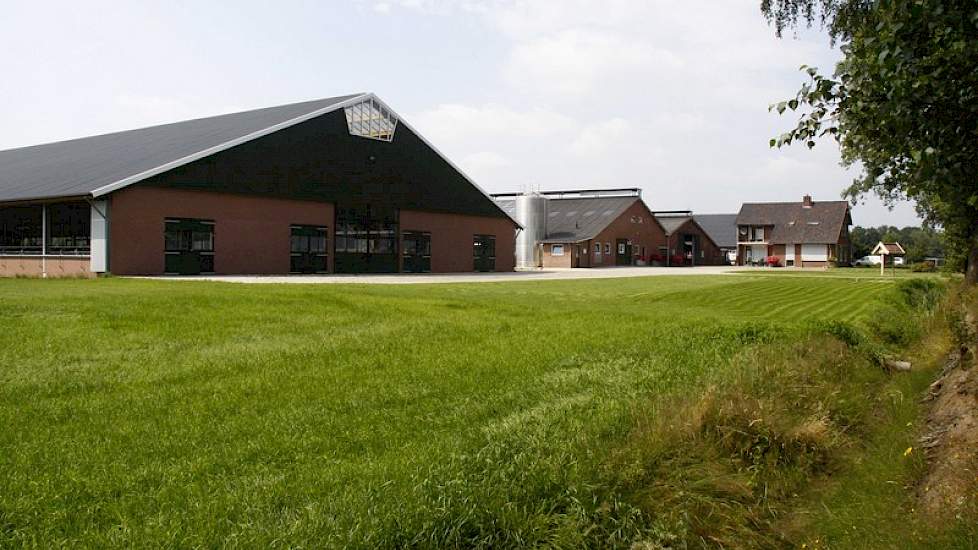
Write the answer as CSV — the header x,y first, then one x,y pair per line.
x,y
334,185
800,234
687,242
584,228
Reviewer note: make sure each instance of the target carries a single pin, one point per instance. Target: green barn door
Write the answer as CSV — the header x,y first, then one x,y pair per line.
x,y
623,252
416,249
189,246
484,252
308,249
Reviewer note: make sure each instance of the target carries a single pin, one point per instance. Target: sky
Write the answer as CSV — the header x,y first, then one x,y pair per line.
x,y
669,96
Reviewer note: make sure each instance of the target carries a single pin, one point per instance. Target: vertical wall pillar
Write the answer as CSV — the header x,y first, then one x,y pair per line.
x,y
44,240
99,239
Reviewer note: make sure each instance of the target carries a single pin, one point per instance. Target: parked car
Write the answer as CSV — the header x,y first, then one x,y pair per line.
x,y
867,261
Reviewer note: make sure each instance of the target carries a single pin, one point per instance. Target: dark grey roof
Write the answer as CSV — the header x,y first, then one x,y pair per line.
x,y
507,206
794,224
80,167
722,228
580,219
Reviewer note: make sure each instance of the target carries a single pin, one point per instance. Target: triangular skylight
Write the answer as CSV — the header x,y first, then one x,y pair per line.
x,y
370,119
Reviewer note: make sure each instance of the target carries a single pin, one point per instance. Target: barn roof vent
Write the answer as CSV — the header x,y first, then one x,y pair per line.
x,y
371,119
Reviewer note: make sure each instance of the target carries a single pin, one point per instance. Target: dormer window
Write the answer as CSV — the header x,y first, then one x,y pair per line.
x,y
370,119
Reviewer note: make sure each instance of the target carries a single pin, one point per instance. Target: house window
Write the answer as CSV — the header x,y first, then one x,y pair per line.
x,y
484,252
189,246
607,248
416,249
556,250
621,248
597,249
308,249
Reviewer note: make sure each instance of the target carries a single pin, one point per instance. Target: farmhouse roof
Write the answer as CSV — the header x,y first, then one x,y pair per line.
x,y
797,222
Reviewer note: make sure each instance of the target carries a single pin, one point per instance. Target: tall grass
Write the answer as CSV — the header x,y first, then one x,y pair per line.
x,y
566,413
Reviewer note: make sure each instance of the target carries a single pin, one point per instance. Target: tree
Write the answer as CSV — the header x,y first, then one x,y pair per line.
x,y
902,103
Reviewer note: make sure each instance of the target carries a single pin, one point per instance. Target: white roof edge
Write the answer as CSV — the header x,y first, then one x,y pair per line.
x,y
135,178
443,157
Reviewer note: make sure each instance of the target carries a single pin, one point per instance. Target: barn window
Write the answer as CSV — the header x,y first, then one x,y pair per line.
x,y
370,119
556,250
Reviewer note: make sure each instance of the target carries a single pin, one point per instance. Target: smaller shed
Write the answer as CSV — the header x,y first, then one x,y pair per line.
x,y
888,250
687,243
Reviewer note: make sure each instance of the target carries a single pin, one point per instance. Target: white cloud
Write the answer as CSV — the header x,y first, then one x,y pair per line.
x,y
489,123
580,61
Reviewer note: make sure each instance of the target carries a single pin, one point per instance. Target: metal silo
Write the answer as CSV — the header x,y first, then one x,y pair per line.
x,y
531,213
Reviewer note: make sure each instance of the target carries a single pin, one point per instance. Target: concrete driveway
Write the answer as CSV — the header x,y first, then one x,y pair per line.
x,y
552,274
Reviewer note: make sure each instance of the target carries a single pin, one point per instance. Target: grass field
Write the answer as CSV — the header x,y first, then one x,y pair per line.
x,y
146,413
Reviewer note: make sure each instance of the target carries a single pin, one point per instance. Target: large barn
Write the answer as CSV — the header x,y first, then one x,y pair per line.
x,y
338,185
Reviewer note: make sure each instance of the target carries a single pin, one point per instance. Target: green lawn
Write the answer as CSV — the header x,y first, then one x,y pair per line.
x,y
153,413
847,272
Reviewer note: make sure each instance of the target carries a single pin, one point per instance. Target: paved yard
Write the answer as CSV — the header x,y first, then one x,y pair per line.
x,y
540,275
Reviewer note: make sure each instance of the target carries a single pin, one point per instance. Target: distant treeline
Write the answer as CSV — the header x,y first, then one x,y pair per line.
x,y
919,242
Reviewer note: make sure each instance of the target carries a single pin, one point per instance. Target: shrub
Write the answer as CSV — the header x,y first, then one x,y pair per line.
x,y
841,330
677,259
893,324
923,267
773,261
923,294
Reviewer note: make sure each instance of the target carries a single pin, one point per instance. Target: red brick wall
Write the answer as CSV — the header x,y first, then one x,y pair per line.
x,y
451,238
648,234
251,234
549,260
